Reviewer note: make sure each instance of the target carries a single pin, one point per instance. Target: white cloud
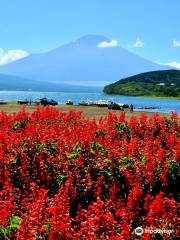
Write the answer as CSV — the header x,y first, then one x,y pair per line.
x,y
173,64
176,43
11,55
112,43
137,44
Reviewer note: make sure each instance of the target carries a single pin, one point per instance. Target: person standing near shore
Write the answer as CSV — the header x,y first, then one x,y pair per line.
x,y
131,108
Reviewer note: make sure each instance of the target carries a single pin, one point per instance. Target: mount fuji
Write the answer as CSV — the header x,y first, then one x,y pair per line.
x,y
87,61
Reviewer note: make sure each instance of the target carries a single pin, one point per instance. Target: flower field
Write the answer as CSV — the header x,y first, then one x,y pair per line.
x,y
63,176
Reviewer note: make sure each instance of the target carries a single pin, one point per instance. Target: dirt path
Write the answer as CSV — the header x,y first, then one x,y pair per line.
x,y
89,111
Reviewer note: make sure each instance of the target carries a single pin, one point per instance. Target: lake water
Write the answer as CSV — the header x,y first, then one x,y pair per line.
x,y
160,105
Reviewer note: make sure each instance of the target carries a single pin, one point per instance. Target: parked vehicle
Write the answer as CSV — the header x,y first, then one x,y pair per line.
x,y
23,101
91,103
69,102
3,102
45,102
124,105
115,106
102,103
83,103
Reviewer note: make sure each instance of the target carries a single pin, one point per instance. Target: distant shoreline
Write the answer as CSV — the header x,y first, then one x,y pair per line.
x,y
144,96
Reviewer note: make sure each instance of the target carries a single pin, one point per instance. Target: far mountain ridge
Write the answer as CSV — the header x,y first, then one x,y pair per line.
x,y
15,83
81,62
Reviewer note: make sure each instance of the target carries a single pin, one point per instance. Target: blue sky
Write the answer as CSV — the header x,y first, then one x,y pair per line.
x,y
149,28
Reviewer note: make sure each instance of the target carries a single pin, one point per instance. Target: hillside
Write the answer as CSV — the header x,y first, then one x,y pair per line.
x,y
157,83
10,82
15,83
81,62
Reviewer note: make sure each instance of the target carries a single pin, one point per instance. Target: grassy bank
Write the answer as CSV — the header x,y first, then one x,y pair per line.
x,y
161,97
145,96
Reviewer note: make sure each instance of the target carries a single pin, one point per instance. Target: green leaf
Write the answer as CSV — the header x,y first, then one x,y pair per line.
x,y
143,159
14,222
53,145
16,125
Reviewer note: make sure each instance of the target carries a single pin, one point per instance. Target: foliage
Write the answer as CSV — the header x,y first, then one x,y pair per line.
x,y
157,83
63,176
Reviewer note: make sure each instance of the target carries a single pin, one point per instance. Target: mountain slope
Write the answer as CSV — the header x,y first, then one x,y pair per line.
x,y
82,63
156,83
14,83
